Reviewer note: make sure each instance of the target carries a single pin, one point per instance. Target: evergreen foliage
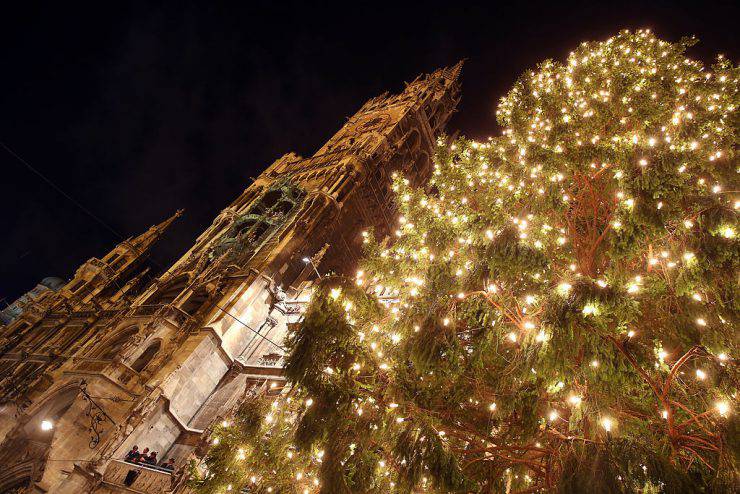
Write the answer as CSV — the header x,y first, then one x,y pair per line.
x,y
557,311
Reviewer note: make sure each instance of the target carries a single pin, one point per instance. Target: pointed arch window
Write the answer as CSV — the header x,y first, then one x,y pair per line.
x,y
146,356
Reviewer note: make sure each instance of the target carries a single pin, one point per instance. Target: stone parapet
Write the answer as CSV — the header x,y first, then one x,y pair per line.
x,y
149,480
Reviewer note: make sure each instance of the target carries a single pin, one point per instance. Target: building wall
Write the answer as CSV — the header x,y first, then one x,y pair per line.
x,y
162,360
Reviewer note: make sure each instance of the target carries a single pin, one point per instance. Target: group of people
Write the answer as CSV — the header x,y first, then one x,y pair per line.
x,y
148,458
144,458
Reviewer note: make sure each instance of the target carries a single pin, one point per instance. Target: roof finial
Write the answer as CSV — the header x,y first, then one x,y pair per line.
x,y
154,233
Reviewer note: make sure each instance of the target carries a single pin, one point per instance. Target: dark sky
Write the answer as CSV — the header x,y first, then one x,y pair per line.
x,y
136,110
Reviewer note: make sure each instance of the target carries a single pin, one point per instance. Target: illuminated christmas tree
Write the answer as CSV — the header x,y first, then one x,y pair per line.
x,y
557,310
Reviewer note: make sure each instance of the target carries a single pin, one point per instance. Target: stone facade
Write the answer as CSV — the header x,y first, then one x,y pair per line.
x,y
114,358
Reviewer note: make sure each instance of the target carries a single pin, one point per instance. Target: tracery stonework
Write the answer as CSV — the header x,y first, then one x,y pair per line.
x,y
163,360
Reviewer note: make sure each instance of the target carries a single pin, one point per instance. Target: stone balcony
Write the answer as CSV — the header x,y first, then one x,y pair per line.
x,y
151,480
114,370
168,312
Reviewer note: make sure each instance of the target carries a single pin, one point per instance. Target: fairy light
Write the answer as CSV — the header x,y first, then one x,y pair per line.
x,y
607,423
564,288
590,310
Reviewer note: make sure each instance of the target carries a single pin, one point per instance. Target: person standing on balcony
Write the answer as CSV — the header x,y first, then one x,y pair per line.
x,y
133,455
151,459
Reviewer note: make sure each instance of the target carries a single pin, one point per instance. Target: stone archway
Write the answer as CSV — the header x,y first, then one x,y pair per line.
x,y
167,293
24,452
146,356
110,347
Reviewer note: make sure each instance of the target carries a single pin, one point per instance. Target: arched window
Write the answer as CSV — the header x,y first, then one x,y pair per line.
x,y
283,207
193,304
413,139
270,199
111,347
169,292
244,228
260,229
146,356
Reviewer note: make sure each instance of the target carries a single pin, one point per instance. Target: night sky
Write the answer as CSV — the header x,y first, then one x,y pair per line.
x,y
136,110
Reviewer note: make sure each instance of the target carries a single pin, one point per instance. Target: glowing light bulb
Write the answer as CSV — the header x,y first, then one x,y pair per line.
x,y
564,287
46,425
723,408
607,424
589,310
700,374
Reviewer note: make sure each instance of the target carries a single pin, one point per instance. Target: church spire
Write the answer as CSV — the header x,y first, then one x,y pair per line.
x,y
455,70
141,243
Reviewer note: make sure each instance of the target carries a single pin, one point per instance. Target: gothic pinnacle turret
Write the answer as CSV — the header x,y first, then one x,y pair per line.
x,y
141,243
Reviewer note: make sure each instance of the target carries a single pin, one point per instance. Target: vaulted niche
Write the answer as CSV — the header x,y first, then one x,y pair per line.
x,y
255,226
169,292
194,303
146,356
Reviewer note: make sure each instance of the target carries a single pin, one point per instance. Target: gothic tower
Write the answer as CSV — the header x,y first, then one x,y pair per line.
x,y
183,352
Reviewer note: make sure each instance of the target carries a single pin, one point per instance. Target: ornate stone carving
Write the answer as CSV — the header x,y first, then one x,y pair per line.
x,y
285,206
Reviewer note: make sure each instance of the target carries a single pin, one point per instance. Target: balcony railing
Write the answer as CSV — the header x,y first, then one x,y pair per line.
x,y
150,479
179,317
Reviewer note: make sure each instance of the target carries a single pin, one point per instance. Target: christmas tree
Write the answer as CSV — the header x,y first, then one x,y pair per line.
x,y
556,311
